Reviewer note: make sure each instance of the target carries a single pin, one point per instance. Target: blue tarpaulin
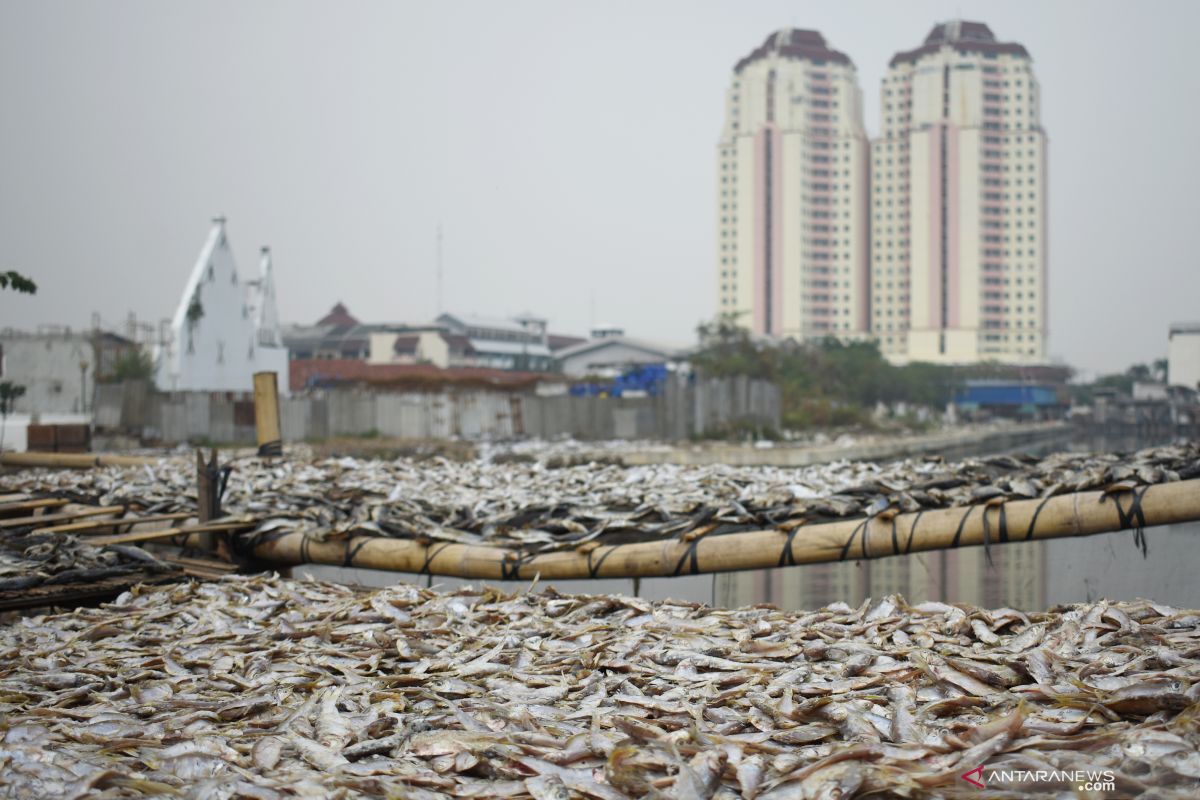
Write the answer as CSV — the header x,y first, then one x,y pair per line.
x,y
1006,394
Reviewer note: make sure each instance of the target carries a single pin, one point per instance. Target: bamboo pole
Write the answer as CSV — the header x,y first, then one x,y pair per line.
x,y
167,533
98,511
266,414
8,509
1079,514
72,460
104,524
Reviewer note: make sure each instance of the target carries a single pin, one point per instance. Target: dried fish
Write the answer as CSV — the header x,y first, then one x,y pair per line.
x,y
267,687
526,505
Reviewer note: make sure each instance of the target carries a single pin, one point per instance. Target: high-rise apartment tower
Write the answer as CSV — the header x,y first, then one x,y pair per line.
x,y
792,192
958,203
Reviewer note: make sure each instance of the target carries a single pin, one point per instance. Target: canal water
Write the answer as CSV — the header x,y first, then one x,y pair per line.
x,y
1025,575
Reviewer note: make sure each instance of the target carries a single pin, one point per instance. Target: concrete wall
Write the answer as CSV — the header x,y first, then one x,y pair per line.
x,y
47,365
682,410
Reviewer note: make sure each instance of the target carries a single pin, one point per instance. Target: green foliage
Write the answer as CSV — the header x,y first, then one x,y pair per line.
x,y
17,282
1121,382
134,365
828,383
9,392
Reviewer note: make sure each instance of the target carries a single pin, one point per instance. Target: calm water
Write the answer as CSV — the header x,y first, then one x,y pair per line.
x,y
1026,575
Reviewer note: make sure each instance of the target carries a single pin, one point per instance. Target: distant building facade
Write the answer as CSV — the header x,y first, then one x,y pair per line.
x,y
225,328
336,335
792,192
958,203
1183,355
451,341
521,343
608,354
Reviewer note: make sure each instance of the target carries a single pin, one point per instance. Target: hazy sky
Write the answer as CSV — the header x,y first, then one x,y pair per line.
x,y
567,148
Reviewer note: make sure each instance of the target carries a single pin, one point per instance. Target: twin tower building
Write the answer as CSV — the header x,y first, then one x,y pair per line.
x,y
930,239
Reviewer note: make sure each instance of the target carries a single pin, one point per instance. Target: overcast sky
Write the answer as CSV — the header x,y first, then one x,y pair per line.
x,y
567,149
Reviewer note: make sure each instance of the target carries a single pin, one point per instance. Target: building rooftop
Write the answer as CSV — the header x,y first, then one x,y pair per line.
x,y
338,316
965,37
795,43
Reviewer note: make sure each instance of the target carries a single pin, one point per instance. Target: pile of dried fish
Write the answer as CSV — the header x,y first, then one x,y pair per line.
x,y
28,560
268,688
531,506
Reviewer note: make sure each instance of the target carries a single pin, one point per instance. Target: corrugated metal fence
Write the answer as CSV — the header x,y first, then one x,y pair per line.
x,y
685,408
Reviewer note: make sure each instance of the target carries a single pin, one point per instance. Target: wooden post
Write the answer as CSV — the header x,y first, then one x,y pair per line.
x,y
208,504
266,414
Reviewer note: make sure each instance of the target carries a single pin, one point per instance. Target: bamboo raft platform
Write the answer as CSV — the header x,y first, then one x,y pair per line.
x,y
1077,514
363,531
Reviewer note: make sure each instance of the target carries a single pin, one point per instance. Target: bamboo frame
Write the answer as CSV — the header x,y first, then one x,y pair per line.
x,y
19,506
66,516
227,526
103,524
1078,514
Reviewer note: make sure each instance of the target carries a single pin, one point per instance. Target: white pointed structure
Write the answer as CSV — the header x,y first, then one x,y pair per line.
x,y
260,297
224,330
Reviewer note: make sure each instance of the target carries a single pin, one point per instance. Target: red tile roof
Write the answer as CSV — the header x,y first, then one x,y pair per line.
x,y
344,371
338,315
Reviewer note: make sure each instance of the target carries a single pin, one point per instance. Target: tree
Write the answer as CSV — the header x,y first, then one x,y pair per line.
x,y
830,381
17,282
134,365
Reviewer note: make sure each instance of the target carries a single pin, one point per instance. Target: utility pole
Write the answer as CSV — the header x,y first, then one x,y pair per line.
x,y
439,269
83,366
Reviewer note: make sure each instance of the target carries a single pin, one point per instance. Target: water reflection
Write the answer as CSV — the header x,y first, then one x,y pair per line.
x,y
1024,575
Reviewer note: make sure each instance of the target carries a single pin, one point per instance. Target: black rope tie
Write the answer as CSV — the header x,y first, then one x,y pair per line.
x,y
304,559
1036,512
594,569
895,539
430,554
987,530
787,558
911,531
510,570
689,555
351,554
962,523
1133,518
846,547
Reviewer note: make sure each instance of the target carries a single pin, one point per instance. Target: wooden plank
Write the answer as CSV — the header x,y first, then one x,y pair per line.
x,y
200,563
102,524
21,522
22,506
75,594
